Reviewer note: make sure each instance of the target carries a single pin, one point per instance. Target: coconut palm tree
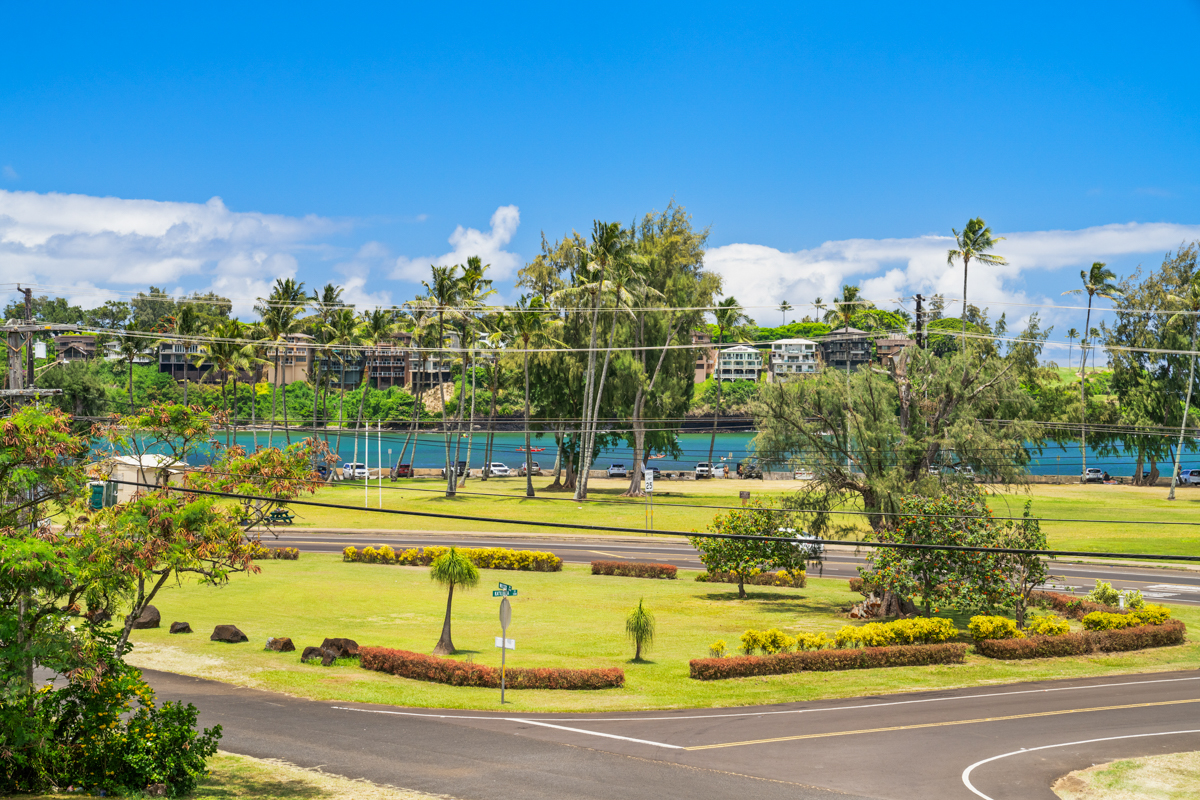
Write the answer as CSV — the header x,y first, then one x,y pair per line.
x,y
343,336
730,317
187,326
974,242
1072,335
1097,282
527,321
131,344
1190,300
228,352
639,627
784,308
473,290
375,329
280,313
442,289
325,303
451,569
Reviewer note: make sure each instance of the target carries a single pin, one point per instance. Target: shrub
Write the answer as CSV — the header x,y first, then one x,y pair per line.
x,y
812,641
779,578
1140,637
633,569
1105,594
919,630
287,553
1048,626
259,551
1103,621
482,557
717,649
862,587
983,628
751,641
418,666
1067,605
1153,614
707,669
776,641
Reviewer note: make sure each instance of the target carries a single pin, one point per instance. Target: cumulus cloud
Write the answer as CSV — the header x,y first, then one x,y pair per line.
x,y
467,242
887,269
80,241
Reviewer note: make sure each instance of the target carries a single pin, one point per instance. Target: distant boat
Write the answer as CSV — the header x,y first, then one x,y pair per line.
x,y
664,455
532,449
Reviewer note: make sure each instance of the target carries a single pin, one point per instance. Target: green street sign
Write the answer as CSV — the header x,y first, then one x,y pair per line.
x,y
505,586
504,593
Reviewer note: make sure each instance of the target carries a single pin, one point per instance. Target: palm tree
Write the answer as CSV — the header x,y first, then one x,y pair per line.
x,y
639,627
1190,300
227,352
729,316
280,314
443,288
527,321
1097,282
325,303
451,569
819,305
473,290
375,329
497,324
130,345
973,243
1072,335
186,327
343,333
784,308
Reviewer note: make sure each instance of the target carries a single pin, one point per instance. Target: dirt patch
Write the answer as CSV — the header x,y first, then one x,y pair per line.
x,y
173,659
1169,777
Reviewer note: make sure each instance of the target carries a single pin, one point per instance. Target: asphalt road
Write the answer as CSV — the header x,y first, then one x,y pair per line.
x,y
1001,743
1171,585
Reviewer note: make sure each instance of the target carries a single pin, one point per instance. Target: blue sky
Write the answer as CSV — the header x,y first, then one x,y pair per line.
x,y
350,144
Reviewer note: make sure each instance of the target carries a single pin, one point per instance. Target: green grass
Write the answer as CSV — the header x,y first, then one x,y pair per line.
x,y
1174,776
569,619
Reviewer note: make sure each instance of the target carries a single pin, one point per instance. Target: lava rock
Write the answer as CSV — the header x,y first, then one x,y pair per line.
x,y
228,633
280,644
156,790
149,618
342,648
328,658
311,654
180,627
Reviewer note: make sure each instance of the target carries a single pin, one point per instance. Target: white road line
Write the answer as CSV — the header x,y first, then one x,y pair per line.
x,y
596,733
1174,587
686,717
966,776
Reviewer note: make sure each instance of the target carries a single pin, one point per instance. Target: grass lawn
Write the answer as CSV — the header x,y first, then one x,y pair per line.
x,y
1175,776
1072,501
568,619
233,776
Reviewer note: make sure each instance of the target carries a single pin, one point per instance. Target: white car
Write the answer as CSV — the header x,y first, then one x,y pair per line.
x,y
499,470
617,471
350,470
1189,477
1093,475
704,470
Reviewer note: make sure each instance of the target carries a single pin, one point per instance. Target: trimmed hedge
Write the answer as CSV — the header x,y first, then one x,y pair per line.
x,y
1069,605
778,578
709,669
421,667
1078,644
482,557
633,569
918,630
259,551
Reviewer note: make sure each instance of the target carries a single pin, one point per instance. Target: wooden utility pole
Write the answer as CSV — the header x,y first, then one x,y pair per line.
x,y
30,375
920,319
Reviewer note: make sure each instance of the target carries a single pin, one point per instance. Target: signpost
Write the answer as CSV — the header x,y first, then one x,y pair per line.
x,y
650,494
503,642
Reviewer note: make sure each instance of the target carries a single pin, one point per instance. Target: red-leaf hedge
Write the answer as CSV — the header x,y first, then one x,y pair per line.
x,y
633,569
1071,606
915,655
1078,644
462,673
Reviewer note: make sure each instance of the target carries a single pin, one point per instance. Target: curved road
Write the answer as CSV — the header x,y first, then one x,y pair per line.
x,y
1003,743
1173,585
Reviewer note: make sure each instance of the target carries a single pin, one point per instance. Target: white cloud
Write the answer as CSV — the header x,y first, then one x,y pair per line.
x,y
471,242
886,269
79,240
358,269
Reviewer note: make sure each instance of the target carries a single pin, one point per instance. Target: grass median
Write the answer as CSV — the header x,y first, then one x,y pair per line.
x,y
570,619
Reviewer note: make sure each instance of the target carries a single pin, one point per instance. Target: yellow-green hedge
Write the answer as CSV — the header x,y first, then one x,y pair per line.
x,y
920,630
1048,626
1147,615
983,628
482,557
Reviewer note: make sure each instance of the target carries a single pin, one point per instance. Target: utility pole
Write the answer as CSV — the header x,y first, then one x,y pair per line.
x,y
30,376
920,319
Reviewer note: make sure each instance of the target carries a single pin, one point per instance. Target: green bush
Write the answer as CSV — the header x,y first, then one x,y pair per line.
x,y
482,557
1105,594
1048,626
983,628
1103,621
1169,633
708,669
920,630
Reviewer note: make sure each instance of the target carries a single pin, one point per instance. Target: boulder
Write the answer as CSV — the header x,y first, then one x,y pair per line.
x,y
327,658
311,654
280,644
99,616
149,618
156,790
180,627
342,648
228,633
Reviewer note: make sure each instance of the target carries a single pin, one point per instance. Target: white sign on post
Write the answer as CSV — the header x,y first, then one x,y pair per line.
x,y
649,481
508,644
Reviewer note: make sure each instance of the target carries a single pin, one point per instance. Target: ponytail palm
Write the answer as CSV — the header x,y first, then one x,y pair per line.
x,y
451,569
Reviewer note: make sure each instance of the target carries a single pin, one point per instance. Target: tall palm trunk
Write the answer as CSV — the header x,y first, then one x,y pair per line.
x,y
131,384
445,645
1187,404
966,261
712,442
639,423
580,486
471,422
337,447
528,461
225,404
254,413
274,391
1083,391
462,399
491,433
585,463
451,468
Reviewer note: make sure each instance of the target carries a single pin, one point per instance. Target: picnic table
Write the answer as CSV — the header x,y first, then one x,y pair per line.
x,y
281,516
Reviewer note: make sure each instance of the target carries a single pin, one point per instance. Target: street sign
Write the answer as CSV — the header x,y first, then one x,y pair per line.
x,y
649,481
505,586
502,641
504,592
509,644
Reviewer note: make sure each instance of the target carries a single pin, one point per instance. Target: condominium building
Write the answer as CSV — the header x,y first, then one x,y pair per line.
x,y
792,357
706,355
887,349
77,347
739,363
296,356
177,359
846,348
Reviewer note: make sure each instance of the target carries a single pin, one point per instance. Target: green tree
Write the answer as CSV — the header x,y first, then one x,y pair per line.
x,y
1097,282
784,308
442,289
527,320
1190,301
474,289
1072,335
1022,572
83,390
451,569
974,242
639,627
742,557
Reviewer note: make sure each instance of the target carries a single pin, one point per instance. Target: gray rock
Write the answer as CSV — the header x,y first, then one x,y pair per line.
x,y
280,644
149,618
328,658
180,627
342,648
228,633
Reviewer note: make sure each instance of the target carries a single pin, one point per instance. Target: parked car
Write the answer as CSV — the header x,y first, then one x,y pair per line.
x,y
1093,475
704,470
1189,477
536,469
499,470
749,468
404,471
651,468
354,470
812,546
617,471
461,469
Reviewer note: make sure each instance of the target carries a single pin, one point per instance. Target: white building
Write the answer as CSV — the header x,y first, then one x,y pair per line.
x,y
792,357
739,363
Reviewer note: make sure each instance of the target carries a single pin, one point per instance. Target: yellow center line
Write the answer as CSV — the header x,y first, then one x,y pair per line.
x,y
941,724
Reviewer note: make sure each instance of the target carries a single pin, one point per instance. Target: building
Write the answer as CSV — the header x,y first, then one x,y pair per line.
x,y
889,348
790,357
141,474
739,363
296,357
846,348
706,357
75,347
112,352
178,359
